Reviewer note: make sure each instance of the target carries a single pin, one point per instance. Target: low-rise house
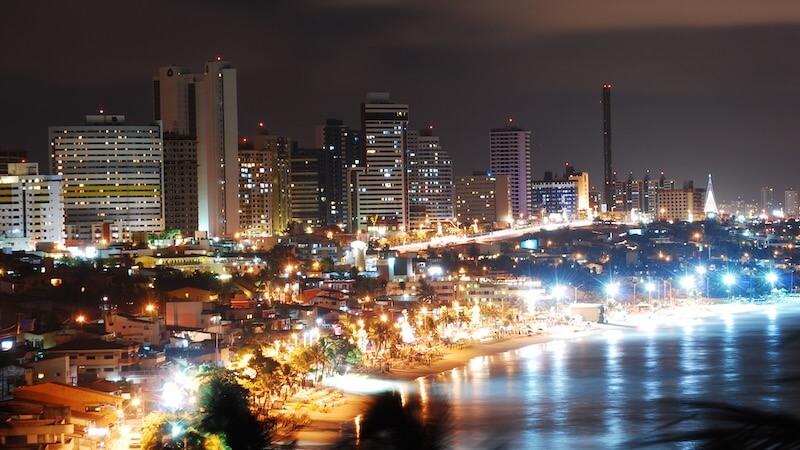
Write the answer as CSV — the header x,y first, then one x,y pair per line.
x,y
139,329
98,358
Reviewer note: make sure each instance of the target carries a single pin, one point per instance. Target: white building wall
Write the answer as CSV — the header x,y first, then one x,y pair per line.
x,y
111,173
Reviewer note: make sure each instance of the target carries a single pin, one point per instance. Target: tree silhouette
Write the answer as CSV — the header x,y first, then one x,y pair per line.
x,y
388,423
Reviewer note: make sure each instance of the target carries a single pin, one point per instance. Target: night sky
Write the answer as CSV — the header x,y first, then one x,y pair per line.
x,y
699,86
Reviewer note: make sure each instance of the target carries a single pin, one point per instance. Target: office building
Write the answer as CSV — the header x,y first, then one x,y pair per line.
x,y
31,209
685,204
430,181
111,174
555,199
265,198
582,195
790,205
380,190
767,200
180,184
510,154
483,199
204,107
343,151
308,179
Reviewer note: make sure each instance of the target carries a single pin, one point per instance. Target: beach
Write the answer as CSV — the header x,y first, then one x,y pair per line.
x,y
326,427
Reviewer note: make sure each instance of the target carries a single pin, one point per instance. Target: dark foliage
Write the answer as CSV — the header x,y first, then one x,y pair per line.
x,y
723,426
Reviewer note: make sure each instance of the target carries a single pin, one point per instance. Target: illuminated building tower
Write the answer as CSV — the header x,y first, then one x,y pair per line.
x,y
342,152
555,198
308,178
681,204
430,180
380,186
608,168
112,183
31,208
711,204
204,107
790,208
264,185
482,199
510,154
767,202
180,184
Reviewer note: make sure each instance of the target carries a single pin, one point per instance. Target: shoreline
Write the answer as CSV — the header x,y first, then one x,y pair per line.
x,y
326,428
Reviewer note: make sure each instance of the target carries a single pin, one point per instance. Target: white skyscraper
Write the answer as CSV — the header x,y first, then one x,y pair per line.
x,y
31,209
381,184
111,176
510,154
430,180
205,107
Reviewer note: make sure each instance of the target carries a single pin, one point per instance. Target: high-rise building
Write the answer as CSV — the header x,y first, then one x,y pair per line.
x,y
111,176
343,151
510,154
31,208
380,186
483,199
180,184
204,106
555,198
681,204
767,200
430,180
308,179
608,168
790,204
582,205
264,185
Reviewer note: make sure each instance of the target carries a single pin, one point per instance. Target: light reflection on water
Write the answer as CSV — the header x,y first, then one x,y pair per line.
x,y
603,391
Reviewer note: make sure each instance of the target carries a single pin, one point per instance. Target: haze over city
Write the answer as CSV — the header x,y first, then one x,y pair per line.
x,y
698,87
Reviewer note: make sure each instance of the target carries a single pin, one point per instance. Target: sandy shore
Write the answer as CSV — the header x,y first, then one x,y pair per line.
x,y
326,428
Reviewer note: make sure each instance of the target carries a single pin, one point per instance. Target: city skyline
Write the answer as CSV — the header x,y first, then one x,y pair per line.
x,y
697,89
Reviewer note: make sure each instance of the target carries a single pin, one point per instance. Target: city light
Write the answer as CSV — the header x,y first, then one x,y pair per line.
x,y
729,279
771,277
612,289
559,291
687,282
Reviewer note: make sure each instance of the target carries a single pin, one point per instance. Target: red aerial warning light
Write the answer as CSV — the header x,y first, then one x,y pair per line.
x,y
102,111
219,58
261,124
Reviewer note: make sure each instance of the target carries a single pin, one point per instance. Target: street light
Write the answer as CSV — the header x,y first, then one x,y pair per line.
x,y
687,283
559,291
649,287
772,278
729,279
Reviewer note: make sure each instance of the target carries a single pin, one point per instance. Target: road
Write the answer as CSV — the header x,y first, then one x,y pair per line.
x,y
487,238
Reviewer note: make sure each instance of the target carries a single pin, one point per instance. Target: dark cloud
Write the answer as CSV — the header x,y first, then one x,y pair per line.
x,y
698,86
